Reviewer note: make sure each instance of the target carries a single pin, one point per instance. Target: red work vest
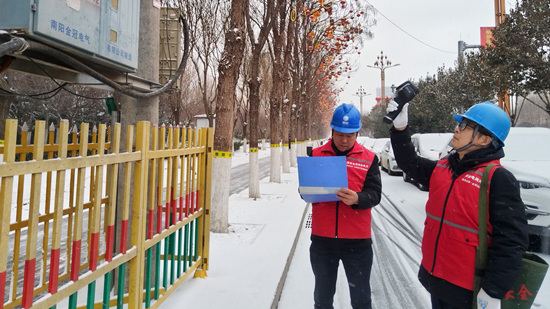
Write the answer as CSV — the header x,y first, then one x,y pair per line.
x,y
336,219
451,227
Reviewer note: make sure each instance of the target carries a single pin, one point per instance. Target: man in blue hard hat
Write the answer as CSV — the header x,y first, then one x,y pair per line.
x,y
341,230
450,230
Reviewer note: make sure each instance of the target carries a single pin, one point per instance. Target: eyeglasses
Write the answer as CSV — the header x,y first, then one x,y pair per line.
x,y
465,123
462,126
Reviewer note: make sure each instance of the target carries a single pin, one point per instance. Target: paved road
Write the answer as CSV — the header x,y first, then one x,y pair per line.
x,y
239,175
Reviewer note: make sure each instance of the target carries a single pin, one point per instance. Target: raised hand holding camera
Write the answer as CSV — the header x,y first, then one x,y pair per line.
x,y
404,93
402,119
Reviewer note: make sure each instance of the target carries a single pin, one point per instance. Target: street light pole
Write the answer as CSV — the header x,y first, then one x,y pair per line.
x,y
361,93
383,63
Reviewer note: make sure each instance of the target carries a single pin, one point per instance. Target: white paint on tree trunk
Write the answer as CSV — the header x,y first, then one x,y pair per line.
x,y
275,171
286,160
219,215
254,176
302,150
293,155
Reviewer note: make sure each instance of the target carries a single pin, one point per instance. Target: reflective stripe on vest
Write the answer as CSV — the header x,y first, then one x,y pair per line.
x,y
453,225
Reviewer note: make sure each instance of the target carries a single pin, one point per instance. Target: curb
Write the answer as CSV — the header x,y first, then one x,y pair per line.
x,y
280,286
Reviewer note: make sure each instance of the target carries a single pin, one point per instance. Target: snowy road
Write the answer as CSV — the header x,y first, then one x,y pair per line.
x,y
396,245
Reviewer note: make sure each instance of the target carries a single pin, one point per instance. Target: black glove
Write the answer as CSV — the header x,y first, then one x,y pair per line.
x,y
405,92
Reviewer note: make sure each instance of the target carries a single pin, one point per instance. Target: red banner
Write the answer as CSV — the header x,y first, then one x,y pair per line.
x,y
486,36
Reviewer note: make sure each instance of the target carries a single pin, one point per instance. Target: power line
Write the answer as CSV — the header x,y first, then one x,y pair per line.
x,y
412,36
62,86
37,96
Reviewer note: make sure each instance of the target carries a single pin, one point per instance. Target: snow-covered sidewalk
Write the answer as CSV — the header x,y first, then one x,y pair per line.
x,y
248,263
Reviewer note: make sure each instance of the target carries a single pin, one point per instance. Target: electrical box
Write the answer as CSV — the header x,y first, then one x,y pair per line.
x,y
170,52
102,31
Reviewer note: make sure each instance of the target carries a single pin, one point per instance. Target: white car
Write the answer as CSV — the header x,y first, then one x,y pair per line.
x,y
378,145
387,160
527,156
365,141
427,145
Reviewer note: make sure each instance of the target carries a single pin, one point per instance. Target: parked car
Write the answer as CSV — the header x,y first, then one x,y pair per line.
x,y
427,145
387,160
378,145
365,141
526,155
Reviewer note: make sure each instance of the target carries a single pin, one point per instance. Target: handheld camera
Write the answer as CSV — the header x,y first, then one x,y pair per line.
x,y
404,93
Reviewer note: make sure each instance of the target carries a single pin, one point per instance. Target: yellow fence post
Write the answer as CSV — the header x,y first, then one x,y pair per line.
x,y
19,211
206,140
138,219
55,250
10,141
76,245
34,214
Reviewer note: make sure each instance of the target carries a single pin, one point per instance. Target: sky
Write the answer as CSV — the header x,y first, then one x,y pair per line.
x,y
420,36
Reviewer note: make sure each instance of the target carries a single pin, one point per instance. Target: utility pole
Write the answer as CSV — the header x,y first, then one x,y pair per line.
x,y
499,12
462,46
361,93
144,109
383,63
504,98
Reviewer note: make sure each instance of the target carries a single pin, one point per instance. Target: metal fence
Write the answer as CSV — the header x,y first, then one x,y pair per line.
x,y
84,224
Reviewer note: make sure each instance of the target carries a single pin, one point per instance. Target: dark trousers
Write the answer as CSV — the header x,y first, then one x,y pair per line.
x,y
439,304
357,261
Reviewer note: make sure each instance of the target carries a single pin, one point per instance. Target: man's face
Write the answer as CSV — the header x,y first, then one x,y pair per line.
x,y
343,141
463,135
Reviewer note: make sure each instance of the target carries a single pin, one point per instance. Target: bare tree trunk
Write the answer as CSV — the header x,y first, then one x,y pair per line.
x,y
254,98
277,93
223,137
254,84
287,86
295,102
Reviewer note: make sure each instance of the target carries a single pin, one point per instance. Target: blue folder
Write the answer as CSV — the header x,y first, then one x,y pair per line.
x,y
319,177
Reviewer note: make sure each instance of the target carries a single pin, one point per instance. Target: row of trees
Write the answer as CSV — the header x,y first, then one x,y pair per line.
x,y
294,53
517,62
276,74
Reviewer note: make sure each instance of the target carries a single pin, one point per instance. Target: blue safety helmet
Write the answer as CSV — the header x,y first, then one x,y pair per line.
x,y
491,117
346,119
